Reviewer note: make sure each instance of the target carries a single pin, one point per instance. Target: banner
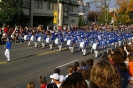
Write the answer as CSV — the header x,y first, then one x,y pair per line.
x,y
55,17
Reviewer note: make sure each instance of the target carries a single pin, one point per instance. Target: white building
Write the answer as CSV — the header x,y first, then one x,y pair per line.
x,y
84,9
42,12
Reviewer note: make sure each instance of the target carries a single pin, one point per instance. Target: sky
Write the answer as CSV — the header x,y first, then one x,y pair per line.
x,y
112,4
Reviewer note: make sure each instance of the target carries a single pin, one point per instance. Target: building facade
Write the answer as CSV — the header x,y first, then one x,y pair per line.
x,y
83,9
42,12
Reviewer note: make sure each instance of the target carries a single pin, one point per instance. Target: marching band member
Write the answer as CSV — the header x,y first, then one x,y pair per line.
x,y
83,45
70,43
35,40
59,41
50,39
95,47
28,39
44,36
40,40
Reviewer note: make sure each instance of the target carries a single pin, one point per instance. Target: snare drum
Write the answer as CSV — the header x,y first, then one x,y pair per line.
x,y
82,45
69,42
94,46
57,41
40,39
33,38
48,40
26,37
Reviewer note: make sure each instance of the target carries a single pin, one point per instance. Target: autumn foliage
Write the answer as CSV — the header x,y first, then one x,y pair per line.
x,y
125,11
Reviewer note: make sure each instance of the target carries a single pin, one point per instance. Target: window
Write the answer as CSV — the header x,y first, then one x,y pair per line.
x,y
66,1
26,3
48,5
65,7
71,8
52,6
38,4
65,20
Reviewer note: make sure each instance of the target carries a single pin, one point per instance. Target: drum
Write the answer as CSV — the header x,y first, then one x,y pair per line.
x,y
57,41
132,39
40,39
26,37
82,45
65,39
90,44
69,42
33,38
94,46
119,43
48,40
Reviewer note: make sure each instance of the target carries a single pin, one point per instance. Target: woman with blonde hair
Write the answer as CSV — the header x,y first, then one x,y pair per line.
x,y
105,75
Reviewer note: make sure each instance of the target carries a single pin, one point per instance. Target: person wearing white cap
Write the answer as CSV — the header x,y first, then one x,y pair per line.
x,y
55,77
61,78
7,51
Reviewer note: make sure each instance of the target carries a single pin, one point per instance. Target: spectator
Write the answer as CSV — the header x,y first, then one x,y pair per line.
x,y
89,63
130,67
69,70
31,84
84,75
0,36
84,66
61,78
118,59
129,50
123,52
42,81
76,64
74,81
55,77
105,75
130,64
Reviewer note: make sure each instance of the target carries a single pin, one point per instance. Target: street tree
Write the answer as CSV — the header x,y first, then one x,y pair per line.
x,y
11,12
125,11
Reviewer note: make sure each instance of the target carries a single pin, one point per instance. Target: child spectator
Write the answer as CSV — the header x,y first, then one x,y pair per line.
x,y
31,84
42,82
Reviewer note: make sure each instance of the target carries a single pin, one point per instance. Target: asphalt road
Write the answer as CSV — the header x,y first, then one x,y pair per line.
x,y
28,63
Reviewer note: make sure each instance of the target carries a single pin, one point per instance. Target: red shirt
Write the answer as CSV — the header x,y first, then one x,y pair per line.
x,y
60,28
6,30
43,86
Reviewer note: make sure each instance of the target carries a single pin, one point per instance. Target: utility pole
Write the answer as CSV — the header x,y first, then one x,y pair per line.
x,y
57,15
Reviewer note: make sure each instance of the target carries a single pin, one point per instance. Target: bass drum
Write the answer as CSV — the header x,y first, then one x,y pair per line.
x,y
69,43
40,39
48,40
95,46
57,41
82,45
33,38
